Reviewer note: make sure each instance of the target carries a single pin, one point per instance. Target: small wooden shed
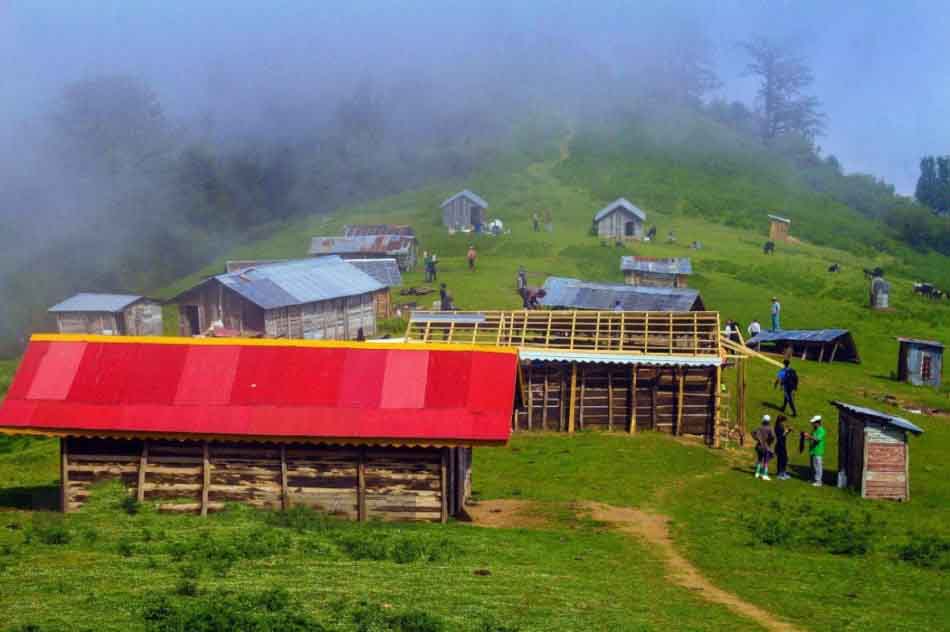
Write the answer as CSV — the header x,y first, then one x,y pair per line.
x,y
656,271
364,431
920,362
873,452
464,211
620,220
823,345
320,298
880,293
108,314
779,228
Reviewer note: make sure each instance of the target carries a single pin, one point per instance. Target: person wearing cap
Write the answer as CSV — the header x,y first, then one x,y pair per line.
x,y
816,449
776,313
471,256
764,438
781,448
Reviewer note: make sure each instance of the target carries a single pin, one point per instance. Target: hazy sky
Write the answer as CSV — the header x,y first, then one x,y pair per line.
x,y
881,66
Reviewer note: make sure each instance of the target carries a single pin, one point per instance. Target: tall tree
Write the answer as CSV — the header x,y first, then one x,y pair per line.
x,y
783,77
942,197
927,184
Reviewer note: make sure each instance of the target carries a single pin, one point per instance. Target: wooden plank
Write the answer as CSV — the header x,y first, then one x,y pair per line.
x,y
205,477
610,400
834,351
544,394
284,492
717,406
653,387
633,399
679,403
64,475
906,468
573,399
562,379
361,486
821,354
143,468
444,487
530,395
580,415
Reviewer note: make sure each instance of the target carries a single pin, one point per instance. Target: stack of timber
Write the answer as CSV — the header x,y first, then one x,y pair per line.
x,y
363,431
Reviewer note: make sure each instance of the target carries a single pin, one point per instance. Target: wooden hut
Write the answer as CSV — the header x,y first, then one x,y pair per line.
x,y
464,211
322,298
360,230
880,293
567,293
622,371
363,431
779,228
620,220
108,314
399,247
823,345
386,271
920,362
656,271
872,452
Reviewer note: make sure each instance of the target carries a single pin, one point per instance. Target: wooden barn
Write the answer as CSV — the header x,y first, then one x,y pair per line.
x,y
108,314
464,211
357,430
920,362
620,220
873,452
398,247
779,228
387,272
656,271
322,298
606,370
823,345
567,293
361,230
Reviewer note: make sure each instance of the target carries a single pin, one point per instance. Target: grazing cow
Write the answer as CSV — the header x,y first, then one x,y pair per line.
x,y
876,272
651,234
769,247
928,290
834,267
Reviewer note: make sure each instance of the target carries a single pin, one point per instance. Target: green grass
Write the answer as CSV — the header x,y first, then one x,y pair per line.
x,y
575,574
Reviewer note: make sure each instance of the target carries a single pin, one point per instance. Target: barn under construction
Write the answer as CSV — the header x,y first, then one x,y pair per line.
x,y
621,371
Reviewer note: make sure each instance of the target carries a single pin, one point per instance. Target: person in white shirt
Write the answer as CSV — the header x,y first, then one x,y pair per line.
x,y
754,328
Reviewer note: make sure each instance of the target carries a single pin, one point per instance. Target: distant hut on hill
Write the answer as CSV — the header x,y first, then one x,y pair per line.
x,y
402,248
464,211
359,230
920,362
779,227
656,272
880,293
620,220
108,314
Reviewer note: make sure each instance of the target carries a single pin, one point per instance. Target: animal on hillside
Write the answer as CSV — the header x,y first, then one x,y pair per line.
x,y
769,247
928,290
834,267
651,234
876,272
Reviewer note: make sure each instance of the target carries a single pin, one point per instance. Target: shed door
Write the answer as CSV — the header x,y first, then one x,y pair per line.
x,y
628,229
926,367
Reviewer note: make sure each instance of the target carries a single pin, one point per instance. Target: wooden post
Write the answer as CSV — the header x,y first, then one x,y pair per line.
x,y
530,394
444,481
633,398
361,484
205,478
580,414
679,402
610,400
653,387
284,491
821,354
64,475
143,466
573,399
740,399
906,468
544,409
717,402
562,378
834,350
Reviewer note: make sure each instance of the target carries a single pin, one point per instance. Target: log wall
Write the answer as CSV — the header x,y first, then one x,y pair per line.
x,y
605,400
192,476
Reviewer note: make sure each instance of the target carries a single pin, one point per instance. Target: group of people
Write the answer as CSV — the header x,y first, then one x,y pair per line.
x,y
430,260
548,222
766,437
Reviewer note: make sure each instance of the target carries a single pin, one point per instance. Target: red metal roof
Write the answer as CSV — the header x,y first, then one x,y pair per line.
x,y
262,389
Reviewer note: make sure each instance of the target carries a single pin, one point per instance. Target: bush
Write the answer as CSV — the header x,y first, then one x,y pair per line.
x,y
926,551
49,529
125,547
491,625
268,611
301,519
130,505
368,617
222,553
840,532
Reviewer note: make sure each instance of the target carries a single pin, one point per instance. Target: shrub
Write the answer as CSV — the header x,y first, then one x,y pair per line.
x,y
364,545
926,551
268,611
492,625
125,547
300,519
130,505
840,532
49,529
368,617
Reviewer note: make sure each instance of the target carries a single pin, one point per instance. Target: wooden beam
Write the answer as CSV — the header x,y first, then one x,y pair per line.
x,y
653,387
143,467
610,400
64,475
821,354
530,395
205,477
562,378
717,403
580,415
679,402
361,484
573,399
834,351
633,398
445,486
284,490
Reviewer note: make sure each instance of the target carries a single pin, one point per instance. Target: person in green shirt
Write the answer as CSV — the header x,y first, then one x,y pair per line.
x,y
816,449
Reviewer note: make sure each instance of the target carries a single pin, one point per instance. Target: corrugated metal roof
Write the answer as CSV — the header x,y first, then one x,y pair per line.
x,y
93,302
466,193
242,264
573,293
357,230
880,416
657,265
299,282
386,271
918,341
798,335
780,219
466,318
623,203
369,244
559,355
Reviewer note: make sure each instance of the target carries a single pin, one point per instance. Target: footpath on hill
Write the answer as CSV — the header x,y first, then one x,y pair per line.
x,y
648,526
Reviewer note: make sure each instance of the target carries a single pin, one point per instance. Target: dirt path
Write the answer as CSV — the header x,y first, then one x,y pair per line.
x,y
652,527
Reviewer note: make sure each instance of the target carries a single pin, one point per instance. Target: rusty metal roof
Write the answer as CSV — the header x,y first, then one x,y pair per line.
x,y
359,230
657,265
368,244
620,203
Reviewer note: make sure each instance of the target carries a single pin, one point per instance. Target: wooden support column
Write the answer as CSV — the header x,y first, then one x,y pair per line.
x,y
573,399
205,477
610,400
717,402
64,474
544,410
653,387
143,467
679,401
361,484
821,354
284,491
445,485
633,398
562,378
580,414
530,395
834,350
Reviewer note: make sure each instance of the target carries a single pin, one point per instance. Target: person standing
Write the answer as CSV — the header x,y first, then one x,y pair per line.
x,y
445,301
776,313
727,331
536,221
548,221
618,306
781,447
433,261
764,438
754,328
787,378
816,449
471,256
427,263
522,279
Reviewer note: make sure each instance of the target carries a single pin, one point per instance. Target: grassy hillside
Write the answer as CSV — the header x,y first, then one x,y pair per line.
x,y
823,559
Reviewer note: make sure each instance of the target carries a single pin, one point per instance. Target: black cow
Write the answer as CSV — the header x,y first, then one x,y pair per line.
x,y
834,267
769,247
928,290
